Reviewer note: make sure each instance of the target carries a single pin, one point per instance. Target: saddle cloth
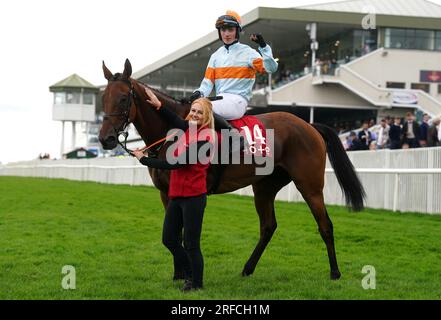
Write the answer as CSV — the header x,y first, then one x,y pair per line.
x,y
254,134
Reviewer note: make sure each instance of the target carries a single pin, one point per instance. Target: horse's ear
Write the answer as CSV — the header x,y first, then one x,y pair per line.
x,y
107,74
127,69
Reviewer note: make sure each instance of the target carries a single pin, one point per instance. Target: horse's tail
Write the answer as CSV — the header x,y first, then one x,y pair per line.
x,y
343,168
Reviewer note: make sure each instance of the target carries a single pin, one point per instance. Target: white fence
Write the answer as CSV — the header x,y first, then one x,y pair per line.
x,y
401,180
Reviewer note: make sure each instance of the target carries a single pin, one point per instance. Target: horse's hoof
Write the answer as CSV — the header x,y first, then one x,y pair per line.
x,y
335,275
247,273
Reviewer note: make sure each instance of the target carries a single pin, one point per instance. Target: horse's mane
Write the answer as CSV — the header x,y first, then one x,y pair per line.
x,y
163,94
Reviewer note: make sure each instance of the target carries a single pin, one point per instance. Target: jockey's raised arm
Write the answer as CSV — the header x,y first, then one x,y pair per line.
x,y
232,69
263,62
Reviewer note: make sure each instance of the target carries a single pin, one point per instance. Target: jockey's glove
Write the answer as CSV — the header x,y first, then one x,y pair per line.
x,y
194,96
259,40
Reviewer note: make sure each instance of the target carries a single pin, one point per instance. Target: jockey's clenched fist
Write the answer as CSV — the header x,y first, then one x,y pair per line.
x,y
257,38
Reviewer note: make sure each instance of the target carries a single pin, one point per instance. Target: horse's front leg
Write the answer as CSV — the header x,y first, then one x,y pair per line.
x,y
265,192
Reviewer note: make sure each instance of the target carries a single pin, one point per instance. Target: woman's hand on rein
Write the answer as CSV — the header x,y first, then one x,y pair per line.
x,y
153,99
138,154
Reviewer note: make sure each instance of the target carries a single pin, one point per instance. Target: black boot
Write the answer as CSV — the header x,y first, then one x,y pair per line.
x,y
189,286
220,123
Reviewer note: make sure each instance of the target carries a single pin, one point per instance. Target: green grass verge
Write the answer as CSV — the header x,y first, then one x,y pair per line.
x,y
111,234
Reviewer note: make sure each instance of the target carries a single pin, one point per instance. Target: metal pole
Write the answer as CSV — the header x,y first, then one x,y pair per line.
x,y
311,115
62,140
74,133
87,134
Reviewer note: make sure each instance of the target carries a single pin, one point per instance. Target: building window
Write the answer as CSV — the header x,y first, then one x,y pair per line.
x,y
396,85
73,97
365,41
410,39
438,41
439,89
88,98
421,86
59,98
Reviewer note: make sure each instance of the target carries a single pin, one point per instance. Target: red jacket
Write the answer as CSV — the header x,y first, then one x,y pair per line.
x,y
189,180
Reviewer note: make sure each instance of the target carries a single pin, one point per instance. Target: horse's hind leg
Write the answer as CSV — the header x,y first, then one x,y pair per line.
x,y
265,192
317,205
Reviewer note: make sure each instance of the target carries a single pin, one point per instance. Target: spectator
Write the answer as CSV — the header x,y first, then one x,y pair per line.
x,y
317,68
325,67
354,143
333,65
395,134
424,130
433,136
383,135
365,136
411,131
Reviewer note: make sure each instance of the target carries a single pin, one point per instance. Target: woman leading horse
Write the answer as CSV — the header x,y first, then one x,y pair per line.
x,y
187,191
299,156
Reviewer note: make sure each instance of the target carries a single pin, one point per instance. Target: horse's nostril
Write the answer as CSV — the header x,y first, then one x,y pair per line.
x,y
108,142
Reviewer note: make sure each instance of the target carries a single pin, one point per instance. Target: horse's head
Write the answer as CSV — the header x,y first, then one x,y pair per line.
x,y
118,105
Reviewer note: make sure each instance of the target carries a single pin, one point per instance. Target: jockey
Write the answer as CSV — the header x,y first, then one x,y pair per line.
x,y
232,70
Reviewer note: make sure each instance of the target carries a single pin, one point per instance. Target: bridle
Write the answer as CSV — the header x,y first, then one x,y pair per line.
x,y
124,114
121,131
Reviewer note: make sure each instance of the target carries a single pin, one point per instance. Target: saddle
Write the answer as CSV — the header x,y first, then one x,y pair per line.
x,y
254,137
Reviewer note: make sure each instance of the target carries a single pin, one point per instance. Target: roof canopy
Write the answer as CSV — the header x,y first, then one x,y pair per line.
x,y
73,81
408,8
284,29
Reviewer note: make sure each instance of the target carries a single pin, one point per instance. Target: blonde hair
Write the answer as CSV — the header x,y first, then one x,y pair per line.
x,y
207,115
207,112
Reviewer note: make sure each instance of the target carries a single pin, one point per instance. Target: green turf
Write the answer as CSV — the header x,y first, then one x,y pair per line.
x,y
111,234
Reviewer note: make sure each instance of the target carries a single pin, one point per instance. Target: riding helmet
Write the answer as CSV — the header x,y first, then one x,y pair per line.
x,y
230,19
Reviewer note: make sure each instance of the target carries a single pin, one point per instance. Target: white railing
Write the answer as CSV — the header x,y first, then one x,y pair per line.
x,y
399,180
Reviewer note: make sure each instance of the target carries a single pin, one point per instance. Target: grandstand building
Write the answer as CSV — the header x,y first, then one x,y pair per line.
x,y
369,59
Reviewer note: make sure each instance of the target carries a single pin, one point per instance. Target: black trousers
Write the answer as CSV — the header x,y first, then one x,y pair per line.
x,y
186,214
413,143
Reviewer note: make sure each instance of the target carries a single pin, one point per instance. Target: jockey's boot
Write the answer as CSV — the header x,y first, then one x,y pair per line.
x,y
220,123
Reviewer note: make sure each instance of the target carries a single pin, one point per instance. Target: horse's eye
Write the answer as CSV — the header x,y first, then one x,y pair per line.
x,y
123,101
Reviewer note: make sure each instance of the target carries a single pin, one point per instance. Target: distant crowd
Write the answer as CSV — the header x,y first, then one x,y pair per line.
x,y
326,67
394,133
44,156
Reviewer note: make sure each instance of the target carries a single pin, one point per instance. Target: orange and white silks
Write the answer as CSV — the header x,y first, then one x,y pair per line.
x,y
233,70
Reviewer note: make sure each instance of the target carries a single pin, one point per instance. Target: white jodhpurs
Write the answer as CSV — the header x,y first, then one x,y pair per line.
x,y
231,107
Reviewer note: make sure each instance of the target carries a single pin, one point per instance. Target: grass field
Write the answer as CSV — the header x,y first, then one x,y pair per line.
x,y
111,234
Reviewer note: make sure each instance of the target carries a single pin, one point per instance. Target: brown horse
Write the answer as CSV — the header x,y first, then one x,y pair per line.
x,y
299,156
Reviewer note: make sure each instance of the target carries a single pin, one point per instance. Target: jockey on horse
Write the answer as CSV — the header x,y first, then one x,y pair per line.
x,y
232,71
300,148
